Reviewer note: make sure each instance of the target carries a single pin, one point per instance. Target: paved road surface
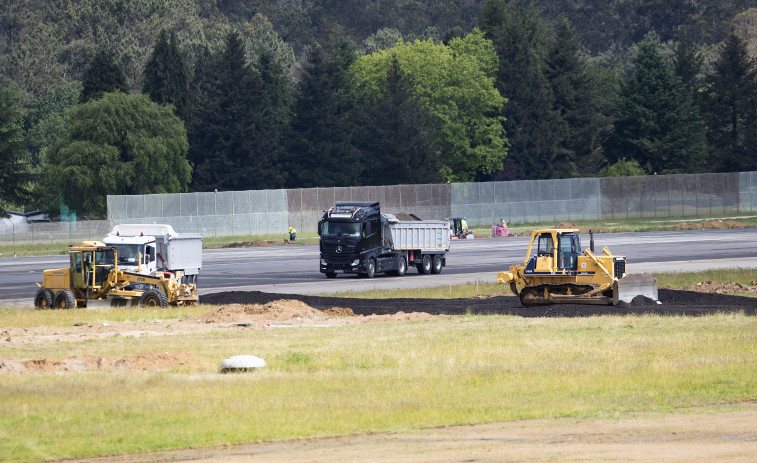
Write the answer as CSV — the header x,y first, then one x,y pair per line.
x,y
294,268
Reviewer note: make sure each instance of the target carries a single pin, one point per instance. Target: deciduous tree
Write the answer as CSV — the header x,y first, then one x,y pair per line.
x,y
118,145
455,86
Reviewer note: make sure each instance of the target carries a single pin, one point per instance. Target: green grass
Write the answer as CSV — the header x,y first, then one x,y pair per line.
x,y
324,381
734,275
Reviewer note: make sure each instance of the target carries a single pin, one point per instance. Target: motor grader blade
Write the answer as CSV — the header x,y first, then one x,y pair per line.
x,y
112,302
633,285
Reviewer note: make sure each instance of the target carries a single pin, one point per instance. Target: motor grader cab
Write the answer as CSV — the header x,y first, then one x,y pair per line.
x,y
559,273
93,279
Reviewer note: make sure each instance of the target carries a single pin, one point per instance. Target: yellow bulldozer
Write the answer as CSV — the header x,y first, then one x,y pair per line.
x,y
559,273
93,279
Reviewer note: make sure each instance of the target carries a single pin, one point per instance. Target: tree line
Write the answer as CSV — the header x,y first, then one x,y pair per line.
x,y
516,97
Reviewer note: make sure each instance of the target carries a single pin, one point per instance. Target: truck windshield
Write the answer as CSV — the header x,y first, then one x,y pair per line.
x,y
128,253
351,229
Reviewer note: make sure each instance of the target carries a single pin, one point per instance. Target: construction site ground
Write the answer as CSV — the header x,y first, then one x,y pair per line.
x,y
724,433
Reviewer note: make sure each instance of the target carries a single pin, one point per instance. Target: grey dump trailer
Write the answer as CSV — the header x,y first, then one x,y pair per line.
x,y
357,238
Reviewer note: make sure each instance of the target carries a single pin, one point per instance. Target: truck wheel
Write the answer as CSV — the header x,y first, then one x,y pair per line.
x,y
153,298
401,267
44,299
436,267
64,299
425,267
371,268
330,275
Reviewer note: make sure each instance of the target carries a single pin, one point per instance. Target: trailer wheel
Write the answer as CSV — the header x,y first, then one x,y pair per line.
x,y
437,265
153,298
371,268
425,266
401,267
44,299
64,299
330,275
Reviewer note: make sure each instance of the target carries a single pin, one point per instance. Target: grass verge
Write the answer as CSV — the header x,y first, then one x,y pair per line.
x,y
324,381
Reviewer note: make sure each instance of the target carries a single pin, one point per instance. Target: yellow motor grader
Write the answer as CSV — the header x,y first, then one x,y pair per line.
x,y
93,279
559,273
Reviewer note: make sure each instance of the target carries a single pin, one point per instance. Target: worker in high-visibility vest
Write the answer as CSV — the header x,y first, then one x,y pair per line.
x,y
464,224
292,234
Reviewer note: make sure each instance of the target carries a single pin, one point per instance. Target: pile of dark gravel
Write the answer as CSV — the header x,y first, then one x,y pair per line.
x,y
673,302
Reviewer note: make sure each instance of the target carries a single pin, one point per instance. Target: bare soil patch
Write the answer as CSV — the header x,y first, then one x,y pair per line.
x,y
144,361
251,244
721,288
709,225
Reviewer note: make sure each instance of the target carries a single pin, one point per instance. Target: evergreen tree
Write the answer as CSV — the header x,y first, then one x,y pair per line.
x,y
166,78
103,75
226,126
687,62
398,136
322,149
271,113
576,89
536,132
14,166
730,107
657,122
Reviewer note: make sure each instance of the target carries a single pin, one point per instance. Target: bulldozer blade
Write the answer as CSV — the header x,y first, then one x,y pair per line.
x,y
633,285
114,302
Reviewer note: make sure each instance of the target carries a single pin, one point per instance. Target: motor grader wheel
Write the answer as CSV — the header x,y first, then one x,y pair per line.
x,y
153,298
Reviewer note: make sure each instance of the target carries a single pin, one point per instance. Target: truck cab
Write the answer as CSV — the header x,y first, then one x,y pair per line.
x,y
350,237
136,254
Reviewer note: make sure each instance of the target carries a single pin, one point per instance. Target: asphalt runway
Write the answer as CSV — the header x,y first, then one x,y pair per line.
x,y
293,269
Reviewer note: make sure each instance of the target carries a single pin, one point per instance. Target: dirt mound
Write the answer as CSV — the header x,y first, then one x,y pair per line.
x,y
406,217
277,310
144,361
251,244
721,288
709,225
565,225
339,312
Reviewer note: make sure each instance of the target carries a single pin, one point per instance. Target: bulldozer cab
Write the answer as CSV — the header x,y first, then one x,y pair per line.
x,y
556,250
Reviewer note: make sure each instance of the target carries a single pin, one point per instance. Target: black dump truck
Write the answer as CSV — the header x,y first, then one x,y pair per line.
x,y
357,238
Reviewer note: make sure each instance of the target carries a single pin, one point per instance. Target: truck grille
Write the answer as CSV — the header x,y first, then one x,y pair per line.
x,y
620,267
346,256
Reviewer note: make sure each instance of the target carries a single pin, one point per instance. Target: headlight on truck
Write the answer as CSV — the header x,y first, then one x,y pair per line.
x,y
355,262
323,261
